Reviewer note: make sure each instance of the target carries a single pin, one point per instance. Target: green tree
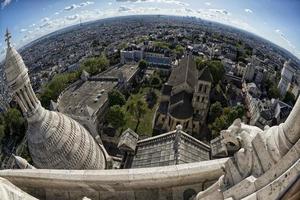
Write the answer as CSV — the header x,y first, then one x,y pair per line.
x,y
137,108
2,129
143,64
115,97
200,63
53,88
155,81
14,120
95,65
215,111
273,92
116,116
289,98
217,70
219,124
229,114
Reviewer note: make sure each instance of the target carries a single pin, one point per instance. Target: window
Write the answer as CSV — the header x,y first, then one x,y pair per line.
x,y
186,125
200,88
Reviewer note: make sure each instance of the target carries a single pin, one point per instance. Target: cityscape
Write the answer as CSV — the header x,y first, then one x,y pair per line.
x,y
147,104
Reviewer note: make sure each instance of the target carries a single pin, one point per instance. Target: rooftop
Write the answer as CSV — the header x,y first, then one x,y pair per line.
x,y
85,98
185,72
175,147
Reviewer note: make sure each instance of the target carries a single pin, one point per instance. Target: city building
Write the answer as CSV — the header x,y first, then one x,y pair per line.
x,y
86,100
185,98
287,73
154,59
249,72
266,112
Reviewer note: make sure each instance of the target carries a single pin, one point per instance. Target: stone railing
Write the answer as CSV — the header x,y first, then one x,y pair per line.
x,y
153,183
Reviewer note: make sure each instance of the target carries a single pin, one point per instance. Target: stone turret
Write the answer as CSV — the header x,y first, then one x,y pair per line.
x,y
22,163
55,141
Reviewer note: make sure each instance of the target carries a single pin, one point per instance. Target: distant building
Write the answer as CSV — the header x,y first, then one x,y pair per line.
x,y
241,68
259,75
266,112
172,148
185,98
87,99
131,56
287,74
154,59
249,72
252,89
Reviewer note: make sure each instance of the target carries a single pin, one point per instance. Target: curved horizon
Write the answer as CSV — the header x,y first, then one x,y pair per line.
x,y
71,13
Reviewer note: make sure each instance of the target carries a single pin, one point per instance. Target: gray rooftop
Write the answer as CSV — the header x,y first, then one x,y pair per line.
x,y
85,98
169,149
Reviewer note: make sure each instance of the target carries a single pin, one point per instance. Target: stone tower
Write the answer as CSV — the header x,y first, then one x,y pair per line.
x,y
55,141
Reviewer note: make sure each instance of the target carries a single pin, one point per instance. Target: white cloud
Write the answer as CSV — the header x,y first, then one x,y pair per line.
x,y
86,3
44,25
72,17
124,9
287,41
220,11
176,2
283,37
23,30
74,6
5,3
71,7
109,3
188,10
247,10
45,19
207,3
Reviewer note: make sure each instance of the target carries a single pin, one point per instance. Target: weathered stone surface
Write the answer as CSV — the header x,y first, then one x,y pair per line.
x,y
10,192
244,188
109,182
271,156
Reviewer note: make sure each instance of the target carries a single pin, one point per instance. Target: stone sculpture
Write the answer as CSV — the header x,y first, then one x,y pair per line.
x,y
259,150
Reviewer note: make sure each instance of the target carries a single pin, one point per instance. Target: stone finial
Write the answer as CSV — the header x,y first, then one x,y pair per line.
x,y
179,127
22,163
7,37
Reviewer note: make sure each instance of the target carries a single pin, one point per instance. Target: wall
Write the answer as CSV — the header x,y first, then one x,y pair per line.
x,y
168,182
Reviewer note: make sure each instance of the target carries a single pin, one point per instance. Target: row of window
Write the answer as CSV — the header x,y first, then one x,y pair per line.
x,y
204,88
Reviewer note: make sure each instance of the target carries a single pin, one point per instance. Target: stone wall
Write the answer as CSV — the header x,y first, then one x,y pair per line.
x,y
171,182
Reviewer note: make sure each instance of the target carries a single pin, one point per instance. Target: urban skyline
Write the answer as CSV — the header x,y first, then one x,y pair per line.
x,y
273,20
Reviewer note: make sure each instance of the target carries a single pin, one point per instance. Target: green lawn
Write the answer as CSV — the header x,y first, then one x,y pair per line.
x,y
145,126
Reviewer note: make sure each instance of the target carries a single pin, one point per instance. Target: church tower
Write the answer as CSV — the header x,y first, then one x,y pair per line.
x,y
55,141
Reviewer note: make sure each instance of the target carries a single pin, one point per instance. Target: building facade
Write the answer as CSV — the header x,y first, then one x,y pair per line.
x,y
185,98
287,74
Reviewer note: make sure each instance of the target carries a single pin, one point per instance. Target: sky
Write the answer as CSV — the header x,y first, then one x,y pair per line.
x,y
274,20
